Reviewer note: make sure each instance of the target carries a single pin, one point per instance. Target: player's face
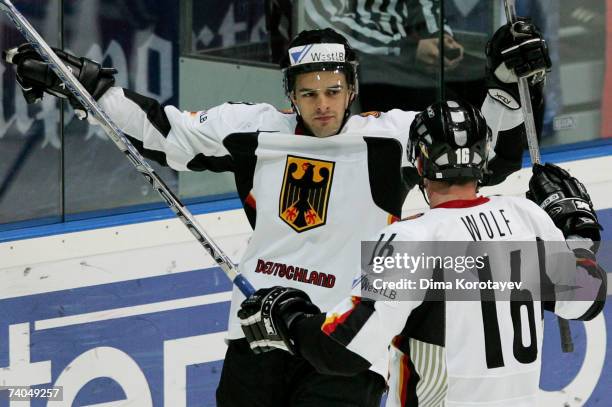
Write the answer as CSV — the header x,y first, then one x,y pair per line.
x,y
322,98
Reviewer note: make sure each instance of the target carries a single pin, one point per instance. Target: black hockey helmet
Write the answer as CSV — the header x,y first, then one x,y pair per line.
x,y
319,50
452,138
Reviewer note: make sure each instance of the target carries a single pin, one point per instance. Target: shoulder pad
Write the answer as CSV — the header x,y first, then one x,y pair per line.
x,y
372,113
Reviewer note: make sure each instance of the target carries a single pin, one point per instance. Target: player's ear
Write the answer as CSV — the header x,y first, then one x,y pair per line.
x,y
419,166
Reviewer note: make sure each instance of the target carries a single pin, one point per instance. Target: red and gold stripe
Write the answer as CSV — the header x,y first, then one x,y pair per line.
x,y
334,320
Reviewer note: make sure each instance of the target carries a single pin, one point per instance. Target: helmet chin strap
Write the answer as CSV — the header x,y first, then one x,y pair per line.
x,y
296,109
347,111
422,188
419,167
300,121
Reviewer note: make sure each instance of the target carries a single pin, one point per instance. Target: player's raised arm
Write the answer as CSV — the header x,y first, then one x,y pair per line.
x,y
179,139
508,56
501,107
568,204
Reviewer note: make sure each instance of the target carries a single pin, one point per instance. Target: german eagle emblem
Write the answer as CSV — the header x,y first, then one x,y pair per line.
x,y
305,192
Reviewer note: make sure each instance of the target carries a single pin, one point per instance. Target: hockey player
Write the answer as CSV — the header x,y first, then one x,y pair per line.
x,y
472,353
310,200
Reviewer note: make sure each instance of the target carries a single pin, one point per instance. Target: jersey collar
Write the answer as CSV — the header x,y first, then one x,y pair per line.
x,y
463,203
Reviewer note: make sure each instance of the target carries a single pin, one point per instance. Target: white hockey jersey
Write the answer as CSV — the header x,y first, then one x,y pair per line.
x,y
310,200
461,353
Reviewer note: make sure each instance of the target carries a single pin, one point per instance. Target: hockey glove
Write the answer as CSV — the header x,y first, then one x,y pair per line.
x,y
516,50
35,76
565,200
267,316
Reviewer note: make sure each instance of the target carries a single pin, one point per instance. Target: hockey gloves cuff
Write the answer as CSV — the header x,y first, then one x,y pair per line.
x,y
35,76
267,316
516,50
566,201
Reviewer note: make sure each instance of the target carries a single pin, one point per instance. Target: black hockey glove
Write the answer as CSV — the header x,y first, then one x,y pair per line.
x,y
267,316
565,200
516,50
35,77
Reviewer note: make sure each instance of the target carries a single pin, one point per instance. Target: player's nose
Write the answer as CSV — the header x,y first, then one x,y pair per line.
x,y
322,103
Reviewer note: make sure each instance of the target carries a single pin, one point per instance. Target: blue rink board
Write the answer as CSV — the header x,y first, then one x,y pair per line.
x,y
142,336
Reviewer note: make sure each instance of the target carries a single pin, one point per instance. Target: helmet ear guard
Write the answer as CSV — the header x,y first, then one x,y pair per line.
x,y
452,138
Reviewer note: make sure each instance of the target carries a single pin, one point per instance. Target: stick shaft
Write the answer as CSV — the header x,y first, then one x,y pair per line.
x,y
523,85
117,136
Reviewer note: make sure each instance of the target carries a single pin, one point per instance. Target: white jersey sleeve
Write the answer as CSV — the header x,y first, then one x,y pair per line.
x,y
507,144
499,117
186,140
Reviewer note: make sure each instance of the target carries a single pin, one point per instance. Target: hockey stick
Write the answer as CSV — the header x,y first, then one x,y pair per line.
x,y
567,344
523,85
117,136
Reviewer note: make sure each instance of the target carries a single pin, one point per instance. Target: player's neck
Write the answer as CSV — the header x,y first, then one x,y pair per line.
x,y
440,193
